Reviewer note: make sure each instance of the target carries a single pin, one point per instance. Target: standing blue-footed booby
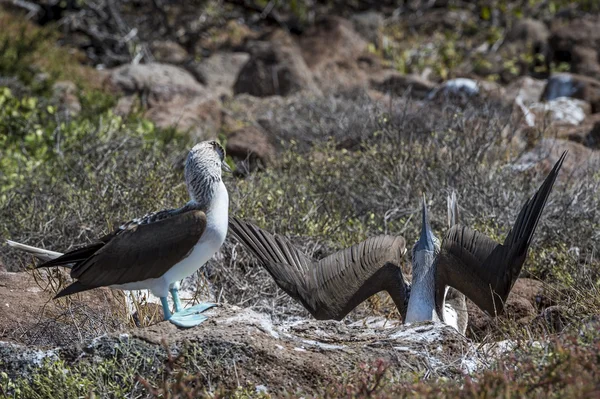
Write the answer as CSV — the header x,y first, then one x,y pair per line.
x,y
158,250
467,263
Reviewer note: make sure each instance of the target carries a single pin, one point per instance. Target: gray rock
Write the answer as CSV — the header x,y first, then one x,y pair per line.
x,y
575,86
275,67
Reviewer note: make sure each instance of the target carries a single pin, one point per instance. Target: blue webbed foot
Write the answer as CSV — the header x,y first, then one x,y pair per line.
x,y
190,317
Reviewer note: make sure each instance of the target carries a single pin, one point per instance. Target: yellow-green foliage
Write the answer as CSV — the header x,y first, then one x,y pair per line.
x,y
26,50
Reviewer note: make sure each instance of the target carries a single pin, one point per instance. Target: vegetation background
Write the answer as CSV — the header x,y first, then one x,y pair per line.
x,y
325,164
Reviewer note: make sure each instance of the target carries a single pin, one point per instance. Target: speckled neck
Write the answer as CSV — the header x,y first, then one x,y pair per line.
x,y
202,176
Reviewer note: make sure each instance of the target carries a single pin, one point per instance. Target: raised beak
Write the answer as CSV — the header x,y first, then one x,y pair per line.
x,y
426,239
225,167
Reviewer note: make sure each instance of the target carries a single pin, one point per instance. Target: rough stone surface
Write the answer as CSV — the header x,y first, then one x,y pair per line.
x,y
575,86
276,67
587,133
398,84
465,88
200,116
168,52
561,110
581,161
521,305
527,88
220,70
174,98
369,25
252,144
577,42
161,81
332,50
530,31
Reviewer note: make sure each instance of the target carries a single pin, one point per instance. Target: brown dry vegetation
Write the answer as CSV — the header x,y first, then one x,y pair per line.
x,y
350,167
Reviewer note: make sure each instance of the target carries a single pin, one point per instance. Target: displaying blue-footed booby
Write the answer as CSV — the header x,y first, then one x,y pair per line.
x,y
465,263
158,250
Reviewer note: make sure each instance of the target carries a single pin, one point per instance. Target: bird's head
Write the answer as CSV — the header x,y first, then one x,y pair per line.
x,y
203,166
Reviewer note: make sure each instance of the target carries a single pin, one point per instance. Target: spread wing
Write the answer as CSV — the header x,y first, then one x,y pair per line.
x,y
331,287
136,251
454,298
482,269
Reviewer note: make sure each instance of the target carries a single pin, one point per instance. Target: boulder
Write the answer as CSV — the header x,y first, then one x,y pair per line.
x,y
577,42
220,71
394,82
161,81
587,133
528,89
581,161
251,145
574,86
560,111
275,67
168,52
174,98
333,50
199,116
529,31
526,297
369,25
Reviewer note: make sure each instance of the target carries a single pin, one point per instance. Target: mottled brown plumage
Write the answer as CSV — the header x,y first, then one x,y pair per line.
x,y
331,287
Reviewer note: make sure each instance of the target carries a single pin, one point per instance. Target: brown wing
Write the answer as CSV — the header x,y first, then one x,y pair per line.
x,y
333,286
137,253
454,298
142,251
482,269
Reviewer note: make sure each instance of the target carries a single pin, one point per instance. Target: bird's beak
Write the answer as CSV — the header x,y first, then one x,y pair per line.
x,y
225,167
426,239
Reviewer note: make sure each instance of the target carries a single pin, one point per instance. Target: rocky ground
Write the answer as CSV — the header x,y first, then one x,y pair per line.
x,y
335,118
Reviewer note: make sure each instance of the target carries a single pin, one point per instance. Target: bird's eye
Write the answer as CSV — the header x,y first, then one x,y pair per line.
x,y
219,149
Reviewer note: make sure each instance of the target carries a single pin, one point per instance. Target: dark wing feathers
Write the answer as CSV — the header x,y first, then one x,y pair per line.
x,y
453,297
284,263
134,253
350,276
332,287
77,255
482,269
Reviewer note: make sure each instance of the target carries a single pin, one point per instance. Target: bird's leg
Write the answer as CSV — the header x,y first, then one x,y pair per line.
x,y
165,305
176,300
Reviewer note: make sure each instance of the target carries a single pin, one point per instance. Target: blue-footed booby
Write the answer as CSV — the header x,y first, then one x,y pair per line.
x,y
466,263
158,250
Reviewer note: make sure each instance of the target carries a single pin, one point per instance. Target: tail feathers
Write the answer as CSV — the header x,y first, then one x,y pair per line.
x,y
40,253
73,289
452,209
74,256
